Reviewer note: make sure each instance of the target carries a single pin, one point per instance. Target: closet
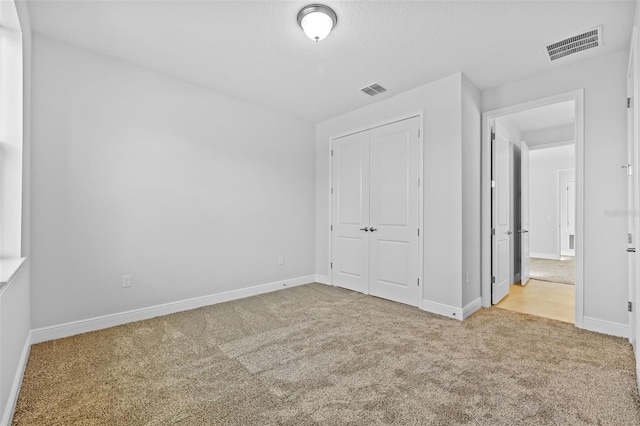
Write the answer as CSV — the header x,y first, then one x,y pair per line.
x,y
375,211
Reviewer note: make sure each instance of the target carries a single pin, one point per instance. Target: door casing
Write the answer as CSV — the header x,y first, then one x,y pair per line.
x,y
487,118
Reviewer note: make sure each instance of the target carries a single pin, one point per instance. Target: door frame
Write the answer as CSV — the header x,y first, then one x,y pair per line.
x,y
633,67
487,117
420,115
559,212
524,235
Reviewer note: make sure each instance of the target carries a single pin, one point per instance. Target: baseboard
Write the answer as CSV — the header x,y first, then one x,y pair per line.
x,y
17,382
471,307
97,323
605,327
545,256
323,279
442,309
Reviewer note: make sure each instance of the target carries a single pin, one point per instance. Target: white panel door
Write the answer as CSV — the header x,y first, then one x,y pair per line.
x,y
394,222
350,213
500,217
525,270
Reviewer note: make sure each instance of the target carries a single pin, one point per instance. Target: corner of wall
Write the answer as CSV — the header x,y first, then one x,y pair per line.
x,y
471,169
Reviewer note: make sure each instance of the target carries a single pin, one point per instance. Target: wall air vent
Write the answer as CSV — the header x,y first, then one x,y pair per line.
x,y
374,89
574,44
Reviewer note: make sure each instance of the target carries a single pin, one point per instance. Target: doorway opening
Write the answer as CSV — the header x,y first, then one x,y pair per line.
x,y
532,208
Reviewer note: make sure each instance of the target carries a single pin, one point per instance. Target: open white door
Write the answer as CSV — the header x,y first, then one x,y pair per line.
x,y
501,238
350,213
395,209
525,269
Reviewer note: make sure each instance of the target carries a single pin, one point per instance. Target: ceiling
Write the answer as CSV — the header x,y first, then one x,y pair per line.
x,y
544,117
255,50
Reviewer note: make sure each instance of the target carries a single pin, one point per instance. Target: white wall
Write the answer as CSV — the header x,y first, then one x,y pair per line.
x,y
11,131
544,210
191,192
15,303
550,135
603,80
15,324
471,206
441,103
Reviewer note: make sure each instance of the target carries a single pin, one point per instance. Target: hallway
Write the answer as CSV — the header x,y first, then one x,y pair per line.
x,y
542,298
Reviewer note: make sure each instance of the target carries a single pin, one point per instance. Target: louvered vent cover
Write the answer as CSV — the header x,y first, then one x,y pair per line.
x,y
577,43
374,89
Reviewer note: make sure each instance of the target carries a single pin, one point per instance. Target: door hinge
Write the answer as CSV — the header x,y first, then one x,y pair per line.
x,y
628,102
332,189
493,231
493,135
418,182
418,132
418,232
331,265
418,282
332,227
332,153
630,306
629,238
493,280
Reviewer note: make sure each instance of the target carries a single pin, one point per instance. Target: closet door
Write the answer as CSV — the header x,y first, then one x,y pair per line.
x,y
350,213
394,209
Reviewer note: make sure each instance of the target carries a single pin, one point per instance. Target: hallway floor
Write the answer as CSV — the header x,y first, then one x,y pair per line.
x,y
542,298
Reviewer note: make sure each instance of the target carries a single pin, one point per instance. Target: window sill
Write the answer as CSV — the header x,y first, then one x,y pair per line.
x,y
9,268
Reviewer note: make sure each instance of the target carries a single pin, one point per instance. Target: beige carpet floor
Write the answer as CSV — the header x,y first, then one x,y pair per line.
x,y
321,355
558,271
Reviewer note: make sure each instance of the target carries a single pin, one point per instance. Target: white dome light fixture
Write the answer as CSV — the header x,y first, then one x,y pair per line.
x,y
317,21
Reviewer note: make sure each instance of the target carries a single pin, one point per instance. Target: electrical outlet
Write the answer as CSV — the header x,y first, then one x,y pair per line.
x,y
126,281
281,260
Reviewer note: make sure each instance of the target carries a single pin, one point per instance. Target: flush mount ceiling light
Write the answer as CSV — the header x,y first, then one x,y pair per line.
x,y
317,21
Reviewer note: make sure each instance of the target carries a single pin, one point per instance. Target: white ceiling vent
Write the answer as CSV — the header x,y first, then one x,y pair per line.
x,y
374,89
587,40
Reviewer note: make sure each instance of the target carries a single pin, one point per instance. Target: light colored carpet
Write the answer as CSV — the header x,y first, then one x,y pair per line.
x,y
557,271
321,355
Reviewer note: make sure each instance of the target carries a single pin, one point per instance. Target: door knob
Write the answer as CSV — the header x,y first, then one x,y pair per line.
x,y
509,232
631,250
365,229
523,231
373,229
